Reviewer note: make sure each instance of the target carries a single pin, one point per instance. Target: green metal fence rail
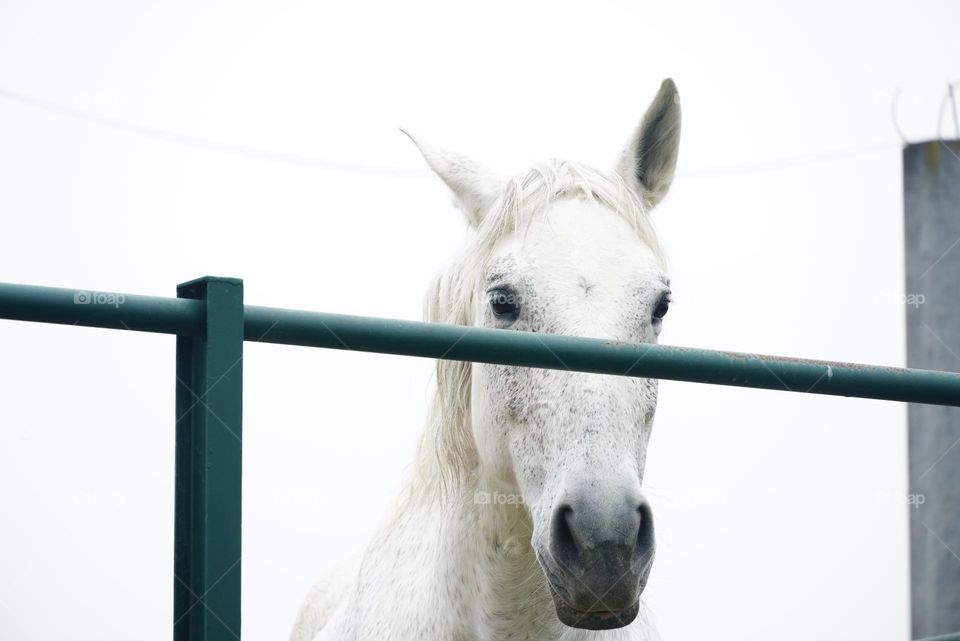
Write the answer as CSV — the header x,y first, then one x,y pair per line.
x,y
211,323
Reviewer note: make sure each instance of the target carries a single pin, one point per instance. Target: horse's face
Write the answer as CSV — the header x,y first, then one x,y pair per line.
x,y
574,445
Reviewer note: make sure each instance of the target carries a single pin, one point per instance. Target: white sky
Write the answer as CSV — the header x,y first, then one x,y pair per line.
x,y
779,515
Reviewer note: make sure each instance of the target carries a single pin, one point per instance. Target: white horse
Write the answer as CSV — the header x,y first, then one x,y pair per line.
x,y
525,519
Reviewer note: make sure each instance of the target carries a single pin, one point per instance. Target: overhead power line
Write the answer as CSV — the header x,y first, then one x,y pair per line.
x,y
794,161
208,144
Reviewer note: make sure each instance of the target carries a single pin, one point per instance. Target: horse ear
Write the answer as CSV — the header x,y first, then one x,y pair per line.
x,y
474,186
650,158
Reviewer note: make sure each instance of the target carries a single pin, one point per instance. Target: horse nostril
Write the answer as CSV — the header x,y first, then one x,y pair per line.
x,y
645,531
564,541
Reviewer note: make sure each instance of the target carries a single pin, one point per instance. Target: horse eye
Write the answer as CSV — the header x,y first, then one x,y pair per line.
x,y
662,307
505,304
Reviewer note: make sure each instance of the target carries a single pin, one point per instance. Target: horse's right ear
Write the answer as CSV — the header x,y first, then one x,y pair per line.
x,y
474,186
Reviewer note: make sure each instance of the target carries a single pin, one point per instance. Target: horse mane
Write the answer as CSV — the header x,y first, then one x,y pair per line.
x,y
447,454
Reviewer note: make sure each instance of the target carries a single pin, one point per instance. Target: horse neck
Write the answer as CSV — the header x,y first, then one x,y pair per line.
x,y
487,535
484,554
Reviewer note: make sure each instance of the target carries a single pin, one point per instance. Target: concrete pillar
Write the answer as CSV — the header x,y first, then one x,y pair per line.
x,y
931,187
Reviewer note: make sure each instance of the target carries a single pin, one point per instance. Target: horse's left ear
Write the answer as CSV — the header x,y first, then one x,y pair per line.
x,y
474,186
648,161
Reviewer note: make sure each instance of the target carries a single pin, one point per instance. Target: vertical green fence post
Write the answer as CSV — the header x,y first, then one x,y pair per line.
x,y
206,597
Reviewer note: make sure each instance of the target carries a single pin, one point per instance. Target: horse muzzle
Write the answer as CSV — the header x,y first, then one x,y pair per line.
x,y
598,557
